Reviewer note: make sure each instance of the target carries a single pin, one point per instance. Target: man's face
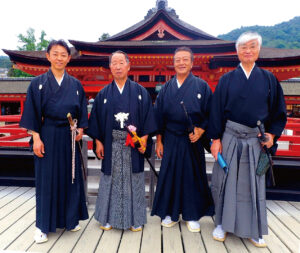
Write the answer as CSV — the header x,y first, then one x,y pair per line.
x,y
119,67
183,62
248,52
58,57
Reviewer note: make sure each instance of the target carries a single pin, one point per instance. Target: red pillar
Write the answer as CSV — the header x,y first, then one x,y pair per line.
x,y
22,106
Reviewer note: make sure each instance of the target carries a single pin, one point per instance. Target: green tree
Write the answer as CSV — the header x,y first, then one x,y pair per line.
x,y
17,73
29,43
104,36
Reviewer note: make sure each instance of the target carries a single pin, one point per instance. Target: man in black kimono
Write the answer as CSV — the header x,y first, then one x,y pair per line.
x,y
182,187
242,97
60,197
121,199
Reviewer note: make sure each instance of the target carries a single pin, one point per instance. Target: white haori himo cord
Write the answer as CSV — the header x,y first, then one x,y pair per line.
x,y
74,132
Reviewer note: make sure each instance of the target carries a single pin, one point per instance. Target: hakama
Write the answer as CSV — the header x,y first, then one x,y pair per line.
x,y
182,186
59,203
121,198
238,103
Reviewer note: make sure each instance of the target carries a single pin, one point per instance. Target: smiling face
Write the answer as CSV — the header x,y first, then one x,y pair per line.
x,y
248,52
183,63
119,67
58,57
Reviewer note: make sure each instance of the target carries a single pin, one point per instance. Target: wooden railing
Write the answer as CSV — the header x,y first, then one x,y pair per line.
x,y
11,135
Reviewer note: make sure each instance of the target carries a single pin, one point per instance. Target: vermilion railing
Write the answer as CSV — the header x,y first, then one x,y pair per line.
x,y
289,142
11,135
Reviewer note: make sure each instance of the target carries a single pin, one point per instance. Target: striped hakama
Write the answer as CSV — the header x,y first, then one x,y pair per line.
x,y
241,208
121,198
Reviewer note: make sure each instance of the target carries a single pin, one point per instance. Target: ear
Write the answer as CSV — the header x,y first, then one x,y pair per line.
x,y
128,66
69,58
48,57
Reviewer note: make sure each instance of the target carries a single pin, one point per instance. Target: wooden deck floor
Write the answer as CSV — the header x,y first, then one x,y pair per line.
x,y
17,226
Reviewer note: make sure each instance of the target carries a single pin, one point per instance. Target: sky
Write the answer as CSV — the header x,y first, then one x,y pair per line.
x,y
87,20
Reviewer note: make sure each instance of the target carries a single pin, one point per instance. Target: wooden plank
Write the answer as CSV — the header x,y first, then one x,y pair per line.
x,y
131,242
45,247
25,240
253,249
274,243
110,241
192,241
68,239
89,238
284,217
211,245
292,210
7,191
2,187
151,240
14,216
295,204
172,239
13,195
283,233
234,244
13,232
4,211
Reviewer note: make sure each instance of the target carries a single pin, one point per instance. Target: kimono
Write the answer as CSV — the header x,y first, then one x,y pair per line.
x,y
121,198
59,202
182,186
237,104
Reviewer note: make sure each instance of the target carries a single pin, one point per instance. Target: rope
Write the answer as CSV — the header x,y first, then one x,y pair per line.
x,y
74,132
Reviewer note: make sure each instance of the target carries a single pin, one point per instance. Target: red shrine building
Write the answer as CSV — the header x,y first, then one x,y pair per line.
x,y
150,45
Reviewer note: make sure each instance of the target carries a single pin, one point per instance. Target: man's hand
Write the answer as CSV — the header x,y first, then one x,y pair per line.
x,y
79,134
143,147
196,135
216,148
159,147
99,149
38,145
270,140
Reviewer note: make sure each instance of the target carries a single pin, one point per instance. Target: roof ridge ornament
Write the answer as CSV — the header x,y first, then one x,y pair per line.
x,y
161,5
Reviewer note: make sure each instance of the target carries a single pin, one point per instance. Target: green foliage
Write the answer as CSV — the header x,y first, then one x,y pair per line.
x,y
17,73
29,41
29,44
5,62
104,36
283,35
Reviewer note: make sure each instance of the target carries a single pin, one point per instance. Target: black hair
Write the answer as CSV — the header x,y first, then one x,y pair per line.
x,y
60,43
186,49
119,52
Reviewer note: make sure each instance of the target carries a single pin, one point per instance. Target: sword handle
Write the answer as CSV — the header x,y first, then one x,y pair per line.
x,y
70,119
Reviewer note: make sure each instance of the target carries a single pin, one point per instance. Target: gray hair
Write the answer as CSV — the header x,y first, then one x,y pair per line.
x,y
247,36
119,52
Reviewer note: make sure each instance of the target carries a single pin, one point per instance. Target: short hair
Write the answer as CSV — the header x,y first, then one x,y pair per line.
x,y
60,43
247,36
186,49
119,52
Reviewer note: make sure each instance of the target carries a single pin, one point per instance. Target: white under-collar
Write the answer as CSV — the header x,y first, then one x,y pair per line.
x,y
60,81
245,70
120,90
178,83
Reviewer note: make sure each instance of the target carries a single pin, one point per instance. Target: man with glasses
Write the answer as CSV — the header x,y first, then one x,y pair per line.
x,y
243,97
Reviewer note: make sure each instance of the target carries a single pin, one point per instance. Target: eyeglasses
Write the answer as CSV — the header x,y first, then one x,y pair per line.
x,y
250,48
